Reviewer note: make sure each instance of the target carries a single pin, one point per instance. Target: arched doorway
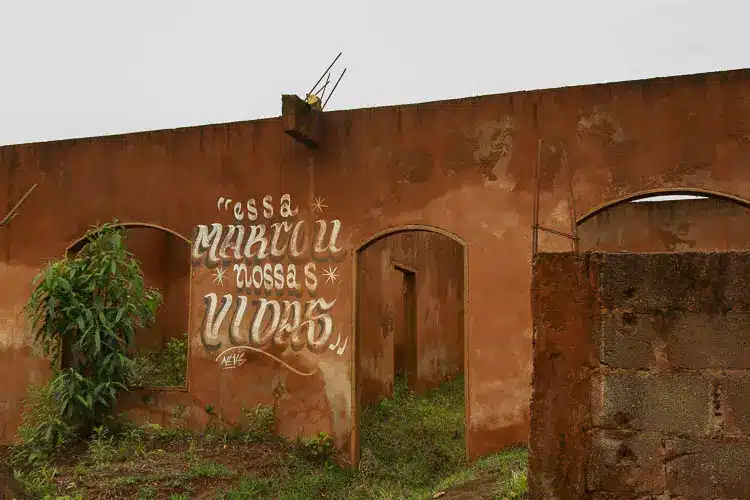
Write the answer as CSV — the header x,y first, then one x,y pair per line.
x,y
410,319
667,221
160,350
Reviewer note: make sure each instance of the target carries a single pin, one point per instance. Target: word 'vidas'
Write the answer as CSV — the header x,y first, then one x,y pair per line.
x,y
238,242
283,322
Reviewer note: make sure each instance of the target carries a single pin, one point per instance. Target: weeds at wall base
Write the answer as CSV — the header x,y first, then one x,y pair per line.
x,y
164,368
422,454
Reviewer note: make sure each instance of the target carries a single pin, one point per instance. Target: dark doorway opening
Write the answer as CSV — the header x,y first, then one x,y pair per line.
x,y
405,334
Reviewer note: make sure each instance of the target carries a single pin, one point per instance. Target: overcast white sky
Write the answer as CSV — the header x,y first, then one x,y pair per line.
x,y
79,68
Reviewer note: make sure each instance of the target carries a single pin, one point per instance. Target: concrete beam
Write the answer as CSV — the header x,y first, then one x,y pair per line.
x,y
300,120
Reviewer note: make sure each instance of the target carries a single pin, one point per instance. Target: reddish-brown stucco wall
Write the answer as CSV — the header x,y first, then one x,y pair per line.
x,y
640,376
464,166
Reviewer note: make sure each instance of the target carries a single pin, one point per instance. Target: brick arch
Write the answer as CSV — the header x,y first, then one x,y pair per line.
x,y
127,225
409,227
363,245
659,192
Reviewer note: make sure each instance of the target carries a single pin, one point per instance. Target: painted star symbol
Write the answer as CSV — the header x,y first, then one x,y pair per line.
x,y
219,276
318,204
331,274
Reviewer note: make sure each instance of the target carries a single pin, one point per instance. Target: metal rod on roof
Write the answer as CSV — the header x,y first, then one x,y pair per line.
x,y
325,73
334,88
323,90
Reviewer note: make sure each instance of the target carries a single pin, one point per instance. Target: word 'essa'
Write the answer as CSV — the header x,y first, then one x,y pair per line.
x,y
239,242
250,208
283,322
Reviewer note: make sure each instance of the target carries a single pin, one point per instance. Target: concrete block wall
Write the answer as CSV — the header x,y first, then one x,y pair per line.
x,y
641,385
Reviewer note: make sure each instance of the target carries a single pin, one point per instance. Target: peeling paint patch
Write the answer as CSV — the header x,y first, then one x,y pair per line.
x,y
606,121
494,147
338,391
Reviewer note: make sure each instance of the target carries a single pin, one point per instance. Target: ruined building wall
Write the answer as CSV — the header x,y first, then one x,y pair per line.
x,y
641,379
668,226
464,166
432,350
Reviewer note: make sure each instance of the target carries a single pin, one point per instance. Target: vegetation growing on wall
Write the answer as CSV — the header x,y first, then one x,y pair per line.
x,y
412,448
164,368
84,312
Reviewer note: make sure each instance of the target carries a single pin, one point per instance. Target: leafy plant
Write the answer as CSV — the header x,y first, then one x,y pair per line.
x,y
43,433
261,420
319,449
84,312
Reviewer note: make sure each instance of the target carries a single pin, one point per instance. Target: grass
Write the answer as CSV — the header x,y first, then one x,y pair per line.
x,y
409,444
164,368
413,447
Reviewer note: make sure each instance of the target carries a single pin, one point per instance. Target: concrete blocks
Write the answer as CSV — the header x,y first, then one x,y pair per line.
x,y
678,404
667,384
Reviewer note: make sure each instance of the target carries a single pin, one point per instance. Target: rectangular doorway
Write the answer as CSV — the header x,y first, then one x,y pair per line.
x,y
405,336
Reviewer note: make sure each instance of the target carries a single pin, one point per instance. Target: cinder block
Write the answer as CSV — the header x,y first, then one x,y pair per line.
x,y
626,463
708,469
675,339
626,340
714,341
667,403
735,405
695,281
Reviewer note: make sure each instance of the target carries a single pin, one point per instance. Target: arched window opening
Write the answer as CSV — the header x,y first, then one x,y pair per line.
x,y
160,352
667,222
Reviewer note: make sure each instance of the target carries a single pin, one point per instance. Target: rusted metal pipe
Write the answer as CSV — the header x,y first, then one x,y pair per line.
x,y
535,215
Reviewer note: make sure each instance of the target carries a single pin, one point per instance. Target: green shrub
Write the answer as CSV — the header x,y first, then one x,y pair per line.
x,y
84,312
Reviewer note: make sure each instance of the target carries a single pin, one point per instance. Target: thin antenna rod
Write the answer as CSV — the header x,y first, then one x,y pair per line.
x,y
323,90
334,88
325,73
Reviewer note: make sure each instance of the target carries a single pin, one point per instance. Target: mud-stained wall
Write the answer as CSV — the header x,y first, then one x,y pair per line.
x,y
640,385
464,166
265,329
427,348
668,226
